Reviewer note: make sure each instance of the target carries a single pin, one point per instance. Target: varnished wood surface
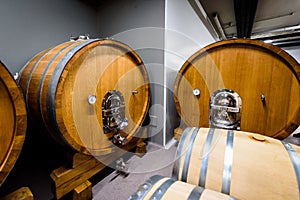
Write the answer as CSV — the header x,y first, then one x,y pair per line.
x,y
261,166
178,131
83,191
66,179
13,122
250,68
23,193
93,69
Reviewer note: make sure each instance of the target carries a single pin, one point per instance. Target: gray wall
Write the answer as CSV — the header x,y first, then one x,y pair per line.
x,y
122,15
140,25
30,26
164,38
184,35
294,51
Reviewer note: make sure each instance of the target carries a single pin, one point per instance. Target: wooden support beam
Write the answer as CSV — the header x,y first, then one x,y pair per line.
x,y
83,191
23,193
82,167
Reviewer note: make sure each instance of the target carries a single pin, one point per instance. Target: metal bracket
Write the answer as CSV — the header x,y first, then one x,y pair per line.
x,y
80,37
119,140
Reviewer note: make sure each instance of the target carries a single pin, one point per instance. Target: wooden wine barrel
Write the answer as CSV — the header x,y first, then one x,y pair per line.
x,y
163,188
264,76
65,88
242,164
13,122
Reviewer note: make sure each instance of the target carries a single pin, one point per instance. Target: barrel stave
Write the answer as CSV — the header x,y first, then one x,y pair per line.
x,y
250,68
258,163
13,122
65,77
159,187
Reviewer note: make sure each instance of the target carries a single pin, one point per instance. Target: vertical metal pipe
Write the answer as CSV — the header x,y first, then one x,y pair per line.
x,y
245,11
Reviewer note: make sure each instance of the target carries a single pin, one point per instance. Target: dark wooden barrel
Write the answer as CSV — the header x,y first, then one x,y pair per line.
x,y
264,76
13,122
159,187
242,164
65,88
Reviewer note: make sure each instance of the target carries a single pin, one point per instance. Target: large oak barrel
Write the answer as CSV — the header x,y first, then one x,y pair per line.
x,y
162,188
265,77
13,122
87,91
242,164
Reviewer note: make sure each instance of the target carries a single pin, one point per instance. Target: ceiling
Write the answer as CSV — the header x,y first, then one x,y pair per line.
x,y
276,21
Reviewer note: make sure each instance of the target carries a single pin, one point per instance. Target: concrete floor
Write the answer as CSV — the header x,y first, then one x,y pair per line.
x,y
158,161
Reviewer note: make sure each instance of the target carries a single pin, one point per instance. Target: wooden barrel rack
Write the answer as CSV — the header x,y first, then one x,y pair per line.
x,y
75,174
23,193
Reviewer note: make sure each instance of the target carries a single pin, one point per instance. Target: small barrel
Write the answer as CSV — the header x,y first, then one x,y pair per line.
x,y
244,165
162,188
13,122
265,77
88,93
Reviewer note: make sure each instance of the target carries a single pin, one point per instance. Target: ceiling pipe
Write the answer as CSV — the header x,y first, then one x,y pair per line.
x,y
288,40
245,11
198,8
278,33
219,27
289,43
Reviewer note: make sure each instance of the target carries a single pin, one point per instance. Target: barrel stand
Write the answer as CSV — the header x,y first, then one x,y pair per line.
x,y
178,131
23,193
75,174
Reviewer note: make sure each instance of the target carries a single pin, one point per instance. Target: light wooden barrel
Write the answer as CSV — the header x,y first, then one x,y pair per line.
x,y
244,165
13,122
163,188
250,68
59,82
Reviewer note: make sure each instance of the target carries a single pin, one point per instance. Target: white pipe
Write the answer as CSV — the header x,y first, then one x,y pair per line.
x,y
219,27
